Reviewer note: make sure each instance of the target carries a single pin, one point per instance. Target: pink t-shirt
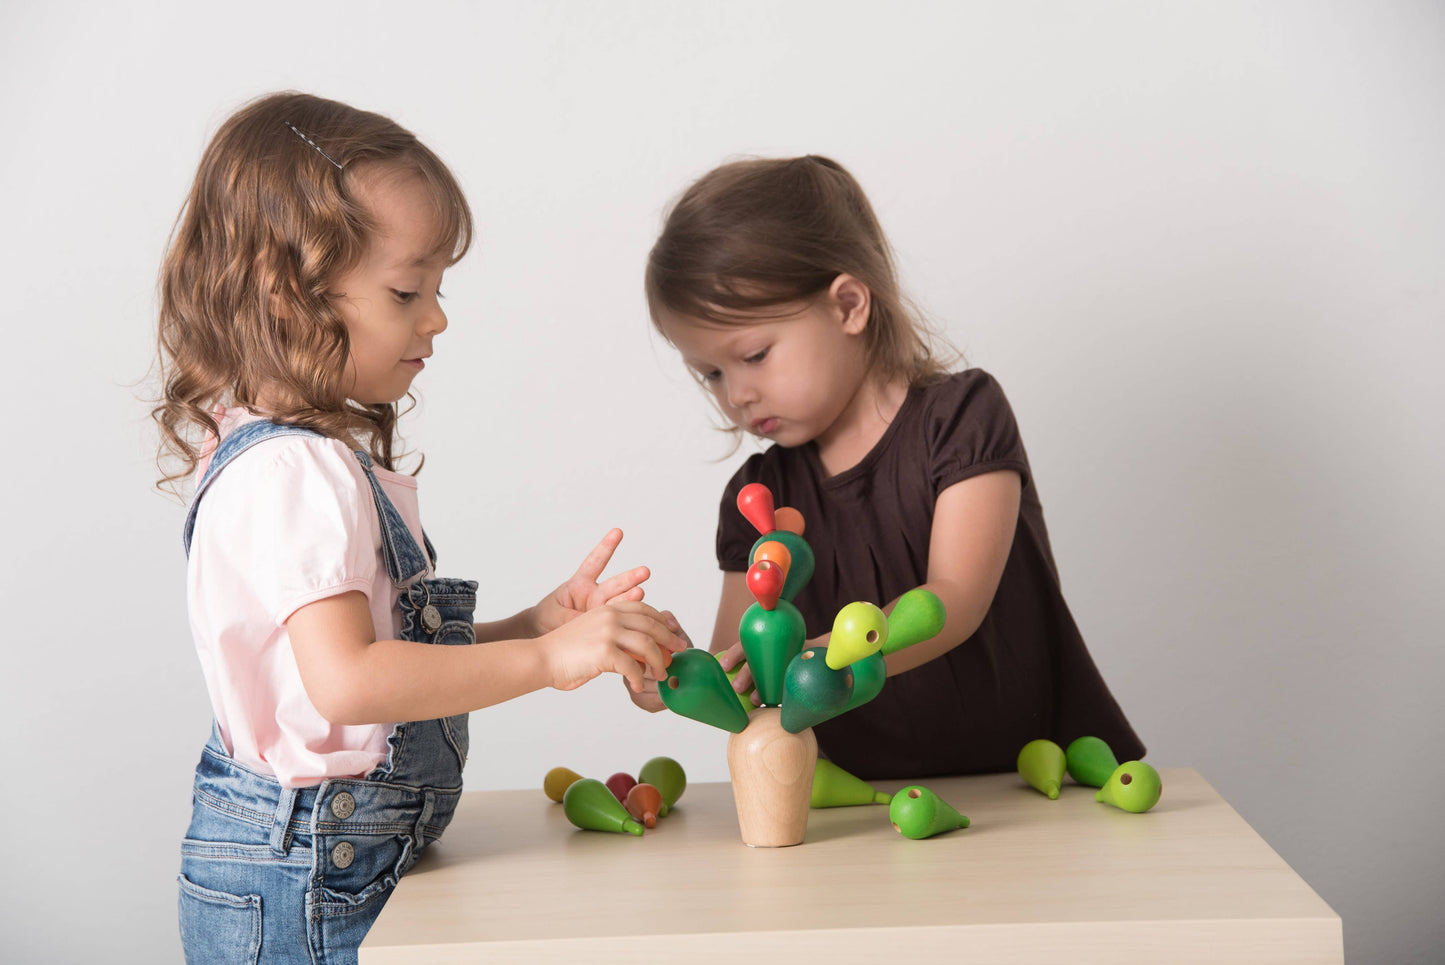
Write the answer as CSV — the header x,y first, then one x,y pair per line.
x,y
289,522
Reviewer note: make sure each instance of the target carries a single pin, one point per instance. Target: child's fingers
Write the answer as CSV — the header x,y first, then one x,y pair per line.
x,y
643,647
623,584
671,622
650,641
631,670
731,657
601,554
642,617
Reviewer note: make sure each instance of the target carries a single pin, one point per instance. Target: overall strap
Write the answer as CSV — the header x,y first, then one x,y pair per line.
x,y
405,561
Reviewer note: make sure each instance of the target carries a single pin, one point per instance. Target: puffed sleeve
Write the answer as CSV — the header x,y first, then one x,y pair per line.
x,y
301,522
970,430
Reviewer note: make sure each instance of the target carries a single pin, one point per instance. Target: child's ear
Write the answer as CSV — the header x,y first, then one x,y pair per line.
x,y
853,301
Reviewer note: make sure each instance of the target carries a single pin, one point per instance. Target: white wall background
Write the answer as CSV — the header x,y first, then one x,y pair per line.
x,y
1201,244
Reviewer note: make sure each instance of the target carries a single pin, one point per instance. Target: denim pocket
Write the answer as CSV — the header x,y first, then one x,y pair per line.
x,y
217,928
359,872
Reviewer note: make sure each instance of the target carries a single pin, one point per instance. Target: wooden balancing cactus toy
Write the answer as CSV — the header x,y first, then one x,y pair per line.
x,y
772,754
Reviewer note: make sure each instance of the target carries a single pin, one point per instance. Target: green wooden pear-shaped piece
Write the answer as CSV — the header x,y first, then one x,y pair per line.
x,y
800,571
697,687
916,812
1041,764
869,676
813,691
771,639
834,787
859,630
591,806
917,616
668,777
1090,761
1134,786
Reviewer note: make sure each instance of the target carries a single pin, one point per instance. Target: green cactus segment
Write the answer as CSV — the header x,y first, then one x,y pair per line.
x,y
801,571
917,616
859,630
771,639
834,787
697,687
916,812
813,691
668,777
591,806
869,676
1134,786
1041,765
1090,761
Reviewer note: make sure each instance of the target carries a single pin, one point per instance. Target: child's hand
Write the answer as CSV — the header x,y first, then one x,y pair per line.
x,y
582,592
648,698
625,638
733,657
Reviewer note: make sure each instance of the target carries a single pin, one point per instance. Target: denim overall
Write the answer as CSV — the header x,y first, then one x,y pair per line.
x,y
275,874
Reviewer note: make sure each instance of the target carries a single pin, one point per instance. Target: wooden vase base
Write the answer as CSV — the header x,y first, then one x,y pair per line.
x,y
772,775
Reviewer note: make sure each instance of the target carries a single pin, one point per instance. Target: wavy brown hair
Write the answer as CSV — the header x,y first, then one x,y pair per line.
x,y
754,237
246,311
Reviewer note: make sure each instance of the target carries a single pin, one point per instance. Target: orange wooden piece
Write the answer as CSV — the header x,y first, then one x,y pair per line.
x,y
775,552
765,581
755,501
644,802
789,519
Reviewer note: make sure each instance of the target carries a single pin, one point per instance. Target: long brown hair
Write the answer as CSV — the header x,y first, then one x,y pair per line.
x,y
760,234
270,223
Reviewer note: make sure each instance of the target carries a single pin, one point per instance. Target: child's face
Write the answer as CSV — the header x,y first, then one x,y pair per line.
x,y
389,302
788,379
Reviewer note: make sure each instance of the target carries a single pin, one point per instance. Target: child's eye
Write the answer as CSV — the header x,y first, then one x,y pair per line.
x,y
710,376
403,297
756,357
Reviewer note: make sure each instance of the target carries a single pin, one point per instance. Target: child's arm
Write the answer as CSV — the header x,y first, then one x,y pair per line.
x,y
973,531
353,678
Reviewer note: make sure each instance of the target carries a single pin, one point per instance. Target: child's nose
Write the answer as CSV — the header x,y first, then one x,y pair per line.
x,y
434,322
741,391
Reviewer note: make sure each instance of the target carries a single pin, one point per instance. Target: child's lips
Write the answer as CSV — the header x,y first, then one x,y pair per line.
x,y
418,364
764,426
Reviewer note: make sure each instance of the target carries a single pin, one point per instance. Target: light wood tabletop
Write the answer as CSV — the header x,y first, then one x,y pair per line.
x,y
1032,880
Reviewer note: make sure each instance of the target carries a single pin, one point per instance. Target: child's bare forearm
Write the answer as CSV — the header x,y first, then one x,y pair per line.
x,y
518,626
397,680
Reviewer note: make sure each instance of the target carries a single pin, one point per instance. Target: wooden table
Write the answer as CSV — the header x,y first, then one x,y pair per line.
x,y
1032,880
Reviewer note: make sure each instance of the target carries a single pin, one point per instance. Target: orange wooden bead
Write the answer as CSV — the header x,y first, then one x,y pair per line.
x,y
789,519
644,802
775,552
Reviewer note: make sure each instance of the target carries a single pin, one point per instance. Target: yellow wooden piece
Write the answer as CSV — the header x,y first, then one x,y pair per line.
x,y
558,779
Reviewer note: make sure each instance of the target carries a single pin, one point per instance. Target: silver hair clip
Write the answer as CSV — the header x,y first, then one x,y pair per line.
x,y
313,144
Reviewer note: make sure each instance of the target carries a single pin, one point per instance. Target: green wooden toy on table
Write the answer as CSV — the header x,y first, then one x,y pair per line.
x,y
772,755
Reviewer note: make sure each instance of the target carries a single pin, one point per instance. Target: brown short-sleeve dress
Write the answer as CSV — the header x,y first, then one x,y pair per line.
x,y
1024,674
